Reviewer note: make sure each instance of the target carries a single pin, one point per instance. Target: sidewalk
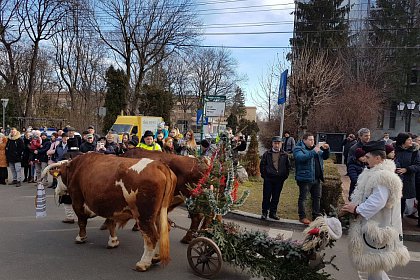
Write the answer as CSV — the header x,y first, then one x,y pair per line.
x,y
410,230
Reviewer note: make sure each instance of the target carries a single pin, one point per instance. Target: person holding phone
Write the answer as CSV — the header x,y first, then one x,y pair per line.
x,y
309,164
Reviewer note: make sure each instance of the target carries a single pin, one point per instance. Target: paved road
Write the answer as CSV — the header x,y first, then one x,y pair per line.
x,y
44,248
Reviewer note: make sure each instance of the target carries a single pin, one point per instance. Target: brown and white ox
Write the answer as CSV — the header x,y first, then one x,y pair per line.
x,y
121,189
188,170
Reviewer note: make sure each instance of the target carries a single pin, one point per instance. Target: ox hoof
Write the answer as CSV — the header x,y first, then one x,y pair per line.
x,y
80,240
113,244
142,267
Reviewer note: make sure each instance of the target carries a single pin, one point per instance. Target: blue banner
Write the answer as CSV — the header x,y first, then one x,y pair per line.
x,y
282,88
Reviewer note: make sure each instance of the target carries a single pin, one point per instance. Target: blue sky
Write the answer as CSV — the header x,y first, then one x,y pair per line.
x,y
269,15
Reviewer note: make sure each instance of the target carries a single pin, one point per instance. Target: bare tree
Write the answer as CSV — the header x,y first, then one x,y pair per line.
x,y
312,83
40,19
144,33
78,55
213,73
266,98
179,74
10,35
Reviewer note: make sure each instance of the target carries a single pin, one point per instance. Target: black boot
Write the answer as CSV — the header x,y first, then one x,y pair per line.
x,y
274,216
264,216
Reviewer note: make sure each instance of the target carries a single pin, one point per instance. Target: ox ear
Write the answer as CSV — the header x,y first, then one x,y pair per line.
x,y
55,172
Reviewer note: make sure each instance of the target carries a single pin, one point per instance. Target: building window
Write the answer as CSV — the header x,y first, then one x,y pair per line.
x,y
392,115
414,77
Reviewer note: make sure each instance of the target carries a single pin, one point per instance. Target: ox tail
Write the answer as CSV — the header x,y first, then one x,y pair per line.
x,y
164,225
53,165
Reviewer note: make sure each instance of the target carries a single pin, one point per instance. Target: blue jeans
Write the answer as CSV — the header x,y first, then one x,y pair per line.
x,y
16,169
271,194
315,190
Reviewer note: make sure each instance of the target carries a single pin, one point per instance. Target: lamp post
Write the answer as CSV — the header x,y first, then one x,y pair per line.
x,y
410,107
4,102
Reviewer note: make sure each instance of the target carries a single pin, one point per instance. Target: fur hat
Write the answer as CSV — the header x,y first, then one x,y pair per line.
x,y
359,153
334,228
374,146
401,138
389,149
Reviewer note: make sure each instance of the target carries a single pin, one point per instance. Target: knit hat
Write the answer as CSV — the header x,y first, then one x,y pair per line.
x,y
401,138
148,133
44,133
389,149
359,153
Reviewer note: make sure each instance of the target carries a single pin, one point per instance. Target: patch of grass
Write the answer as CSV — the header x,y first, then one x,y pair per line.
x,y
287,208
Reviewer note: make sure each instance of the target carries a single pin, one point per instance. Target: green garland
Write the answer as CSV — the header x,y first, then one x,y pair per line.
x,y
216,192
262,256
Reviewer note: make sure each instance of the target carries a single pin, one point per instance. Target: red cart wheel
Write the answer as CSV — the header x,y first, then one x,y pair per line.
x,y
204,257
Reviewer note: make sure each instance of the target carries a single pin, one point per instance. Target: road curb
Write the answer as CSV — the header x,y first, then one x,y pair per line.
x,y
294,224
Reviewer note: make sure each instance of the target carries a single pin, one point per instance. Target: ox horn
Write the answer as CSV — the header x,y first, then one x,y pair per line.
x,y
53,165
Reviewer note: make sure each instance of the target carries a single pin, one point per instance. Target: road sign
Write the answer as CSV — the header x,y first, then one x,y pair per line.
x,y
200,116
102,111
215,109
282,88
216,98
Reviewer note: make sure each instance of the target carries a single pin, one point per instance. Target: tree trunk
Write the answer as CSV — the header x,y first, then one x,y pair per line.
x,y
31,81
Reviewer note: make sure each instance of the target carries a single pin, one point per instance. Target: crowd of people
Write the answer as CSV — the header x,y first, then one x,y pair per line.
x,y
403,150
385,176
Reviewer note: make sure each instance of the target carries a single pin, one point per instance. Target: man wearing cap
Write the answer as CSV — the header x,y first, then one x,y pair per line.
x,y
91,130
309,162
376,244
149,143
89,145
274,169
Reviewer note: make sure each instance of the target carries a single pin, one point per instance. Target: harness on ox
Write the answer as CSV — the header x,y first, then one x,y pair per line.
x,y
120,189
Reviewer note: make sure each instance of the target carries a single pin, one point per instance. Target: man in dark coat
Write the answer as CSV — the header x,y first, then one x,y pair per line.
x,y
14,153
407,160
274,169
89,145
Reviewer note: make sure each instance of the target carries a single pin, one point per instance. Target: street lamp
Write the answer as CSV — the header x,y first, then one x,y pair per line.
x,y
4,102
410,107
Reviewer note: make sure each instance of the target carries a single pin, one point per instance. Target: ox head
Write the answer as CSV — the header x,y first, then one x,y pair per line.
x,y
56,170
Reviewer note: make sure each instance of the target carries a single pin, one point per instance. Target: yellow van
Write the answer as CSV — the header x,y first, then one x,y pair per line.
x,y
135,125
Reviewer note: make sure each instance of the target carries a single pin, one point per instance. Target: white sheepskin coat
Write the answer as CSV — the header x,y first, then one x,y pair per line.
x,y
376,244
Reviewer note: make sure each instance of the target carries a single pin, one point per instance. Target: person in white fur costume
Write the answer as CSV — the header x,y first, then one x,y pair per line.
x,y
376,244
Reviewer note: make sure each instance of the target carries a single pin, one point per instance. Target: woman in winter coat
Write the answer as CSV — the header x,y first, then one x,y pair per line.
x,y
407,160
3,161
14,151
188,146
